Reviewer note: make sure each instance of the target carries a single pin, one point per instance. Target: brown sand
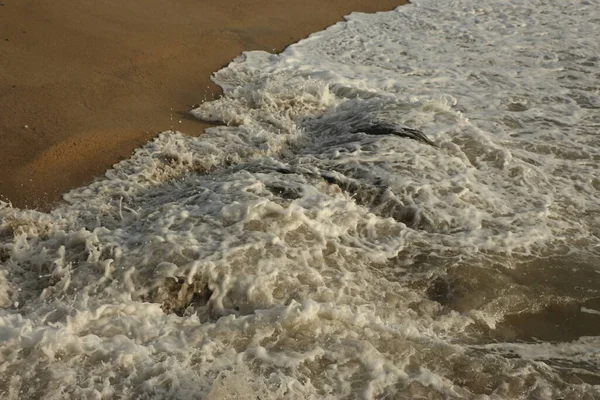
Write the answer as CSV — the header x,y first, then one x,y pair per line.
x,y
83,83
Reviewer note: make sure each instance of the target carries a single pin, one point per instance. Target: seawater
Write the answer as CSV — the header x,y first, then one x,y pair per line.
x,y
292,254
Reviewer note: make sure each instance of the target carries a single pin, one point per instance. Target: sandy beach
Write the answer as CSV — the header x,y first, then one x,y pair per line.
x,y
82,84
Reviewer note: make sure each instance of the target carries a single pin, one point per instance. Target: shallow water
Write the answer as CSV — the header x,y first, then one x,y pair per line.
x,y
296,254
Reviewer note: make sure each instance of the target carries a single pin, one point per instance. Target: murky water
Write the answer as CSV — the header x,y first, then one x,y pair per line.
x,y
319,246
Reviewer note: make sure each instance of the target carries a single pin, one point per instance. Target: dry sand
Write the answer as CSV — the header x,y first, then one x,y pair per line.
x,y
83,83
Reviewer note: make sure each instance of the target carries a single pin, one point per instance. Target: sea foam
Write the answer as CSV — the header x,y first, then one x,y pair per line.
x,y
292,253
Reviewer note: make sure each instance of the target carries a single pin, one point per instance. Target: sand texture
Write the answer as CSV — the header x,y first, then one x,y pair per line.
x,y
83,83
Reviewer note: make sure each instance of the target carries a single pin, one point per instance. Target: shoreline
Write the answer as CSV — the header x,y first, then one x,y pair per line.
x,y
83,85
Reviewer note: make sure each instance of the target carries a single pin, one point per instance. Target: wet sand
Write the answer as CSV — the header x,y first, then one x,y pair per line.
x,y
82,84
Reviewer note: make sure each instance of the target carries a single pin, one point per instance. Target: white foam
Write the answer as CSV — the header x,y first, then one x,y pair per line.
x,y
590,311
292,255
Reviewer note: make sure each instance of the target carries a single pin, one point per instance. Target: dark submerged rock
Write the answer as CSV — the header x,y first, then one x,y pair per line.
x,y
381,129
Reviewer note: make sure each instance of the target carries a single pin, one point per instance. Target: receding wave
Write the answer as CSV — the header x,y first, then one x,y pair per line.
x,y
404,205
